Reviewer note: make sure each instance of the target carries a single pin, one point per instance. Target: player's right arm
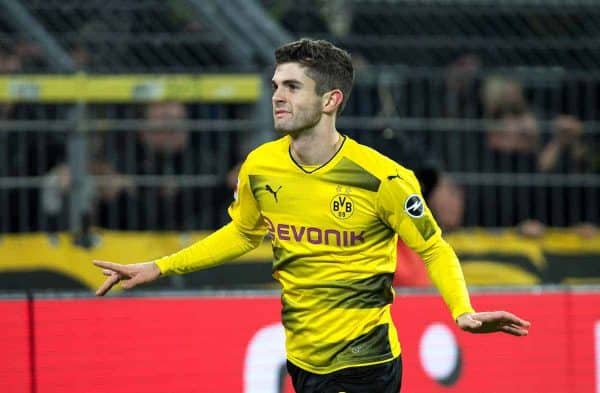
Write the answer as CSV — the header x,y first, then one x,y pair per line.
x,y
244,233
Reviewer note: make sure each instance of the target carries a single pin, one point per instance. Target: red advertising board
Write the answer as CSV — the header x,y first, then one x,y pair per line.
x,y
583,326
15,372
235,344
486,363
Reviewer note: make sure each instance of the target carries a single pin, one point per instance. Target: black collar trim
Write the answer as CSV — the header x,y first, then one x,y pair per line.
x,y
321,166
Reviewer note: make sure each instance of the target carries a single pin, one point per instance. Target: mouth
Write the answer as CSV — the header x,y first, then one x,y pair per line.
x,y
281,113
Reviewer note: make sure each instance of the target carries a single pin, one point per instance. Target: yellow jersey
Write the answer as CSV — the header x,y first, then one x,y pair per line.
x,y
333,230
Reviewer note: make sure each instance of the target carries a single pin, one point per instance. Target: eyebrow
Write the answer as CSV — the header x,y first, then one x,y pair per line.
x,y
288,82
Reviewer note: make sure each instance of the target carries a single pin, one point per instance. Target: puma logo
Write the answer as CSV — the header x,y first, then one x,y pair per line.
x,y
394,177
274,192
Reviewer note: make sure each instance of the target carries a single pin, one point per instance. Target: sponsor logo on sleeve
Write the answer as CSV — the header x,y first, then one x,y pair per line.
x,y
414,206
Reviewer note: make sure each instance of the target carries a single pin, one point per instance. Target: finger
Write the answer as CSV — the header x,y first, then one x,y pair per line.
x,y
500,316
128,284
515,331
107,272
490,316
116,267
136,279
520,327
107,285
513,319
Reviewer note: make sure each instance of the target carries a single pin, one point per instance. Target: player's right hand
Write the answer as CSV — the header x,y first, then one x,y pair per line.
x,y
129,275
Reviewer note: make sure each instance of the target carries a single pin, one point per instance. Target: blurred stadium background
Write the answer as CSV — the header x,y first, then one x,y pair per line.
x,y
122,124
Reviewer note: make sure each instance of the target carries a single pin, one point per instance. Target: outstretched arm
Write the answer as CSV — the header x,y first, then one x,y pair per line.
x,y
223,245
493,321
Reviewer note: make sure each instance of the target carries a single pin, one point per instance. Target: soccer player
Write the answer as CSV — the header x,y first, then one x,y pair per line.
x,y
333,209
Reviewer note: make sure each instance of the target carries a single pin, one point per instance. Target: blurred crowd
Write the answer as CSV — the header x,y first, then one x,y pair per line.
x,y
498,167
138,175
512,139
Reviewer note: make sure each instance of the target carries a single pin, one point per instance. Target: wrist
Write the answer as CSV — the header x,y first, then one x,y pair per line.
x,y
464,314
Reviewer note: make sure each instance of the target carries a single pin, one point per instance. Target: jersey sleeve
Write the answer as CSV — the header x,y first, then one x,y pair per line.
x,y
244,211
242,234
402,207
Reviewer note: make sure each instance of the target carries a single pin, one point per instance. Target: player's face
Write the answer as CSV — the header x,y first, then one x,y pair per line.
x,y
296,105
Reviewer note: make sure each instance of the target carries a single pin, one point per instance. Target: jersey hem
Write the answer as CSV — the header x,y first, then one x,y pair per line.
x,y
309,368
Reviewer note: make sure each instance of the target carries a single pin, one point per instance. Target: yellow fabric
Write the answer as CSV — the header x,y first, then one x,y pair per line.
x,y
243,234
334,231
445,272
223,245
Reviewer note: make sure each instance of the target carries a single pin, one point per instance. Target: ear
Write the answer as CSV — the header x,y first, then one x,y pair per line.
x,y
332,100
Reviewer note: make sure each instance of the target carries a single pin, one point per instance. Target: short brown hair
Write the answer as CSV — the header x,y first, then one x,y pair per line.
x,y
329,66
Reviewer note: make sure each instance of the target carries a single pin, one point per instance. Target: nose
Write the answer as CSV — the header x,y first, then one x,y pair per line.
x,y
277,96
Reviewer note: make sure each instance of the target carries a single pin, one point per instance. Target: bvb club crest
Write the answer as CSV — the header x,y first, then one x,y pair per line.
x,y
342,205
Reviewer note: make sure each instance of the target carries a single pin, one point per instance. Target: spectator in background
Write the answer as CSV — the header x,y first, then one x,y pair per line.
x,y
461,99
339,15
447,201
20,153
136,181
30,55
21,55
509,146
161,149
80,56
512,136
110,195
514,144
165,147
165,135
104,187
566,151
10,62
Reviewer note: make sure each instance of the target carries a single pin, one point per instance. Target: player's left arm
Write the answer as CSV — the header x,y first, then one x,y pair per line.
x,y
403,208
445,272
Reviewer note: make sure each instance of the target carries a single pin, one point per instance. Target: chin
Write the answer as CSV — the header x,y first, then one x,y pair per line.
x,y
282,129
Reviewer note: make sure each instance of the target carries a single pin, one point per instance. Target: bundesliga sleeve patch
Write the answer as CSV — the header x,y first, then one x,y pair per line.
x,y
414,206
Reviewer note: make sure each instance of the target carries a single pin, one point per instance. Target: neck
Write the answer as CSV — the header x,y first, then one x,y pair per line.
x,y
315,148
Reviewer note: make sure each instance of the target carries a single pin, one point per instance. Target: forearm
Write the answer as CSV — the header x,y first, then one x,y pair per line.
x,y
223,245
445,272
549,156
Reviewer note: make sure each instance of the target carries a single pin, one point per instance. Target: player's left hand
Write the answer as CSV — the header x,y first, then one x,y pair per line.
x,y
493,321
